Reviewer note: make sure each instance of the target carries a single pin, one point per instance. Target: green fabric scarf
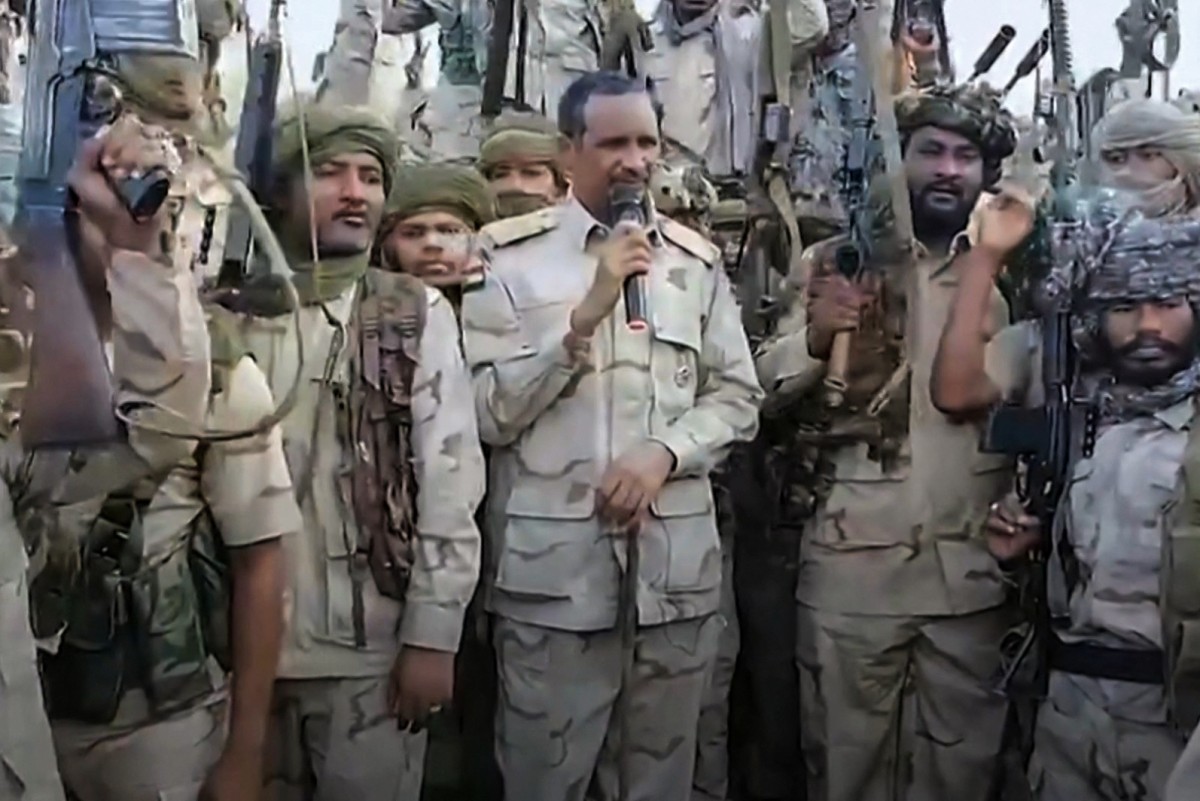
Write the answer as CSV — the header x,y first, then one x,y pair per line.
x,y
326,279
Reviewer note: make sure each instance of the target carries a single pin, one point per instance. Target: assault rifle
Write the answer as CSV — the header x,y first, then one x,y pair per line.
x,y
72,90
1029,62
1047,438
254,150
991,54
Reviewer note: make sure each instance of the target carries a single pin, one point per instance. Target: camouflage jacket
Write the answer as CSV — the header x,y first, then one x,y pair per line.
x,y
555,425
323,638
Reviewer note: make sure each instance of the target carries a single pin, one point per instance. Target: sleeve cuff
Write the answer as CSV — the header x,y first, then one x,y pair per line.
x,y
689,456
437,628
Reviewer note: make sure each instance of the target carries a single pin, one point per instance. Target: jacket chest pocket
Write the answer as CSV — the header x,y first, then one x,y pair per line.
x,y
675,362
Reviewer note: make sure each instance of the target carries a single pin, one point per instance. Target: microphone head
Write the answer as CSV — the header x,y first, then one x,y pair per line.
x,y
626,203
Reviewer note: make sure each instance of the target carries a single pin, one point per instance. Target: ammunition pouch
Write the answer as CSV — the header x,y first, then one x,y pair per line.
x,y
124,624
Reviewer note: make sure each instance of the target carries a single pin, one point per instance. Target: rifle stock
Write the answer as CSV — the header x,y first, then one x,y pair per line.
x,y
75,44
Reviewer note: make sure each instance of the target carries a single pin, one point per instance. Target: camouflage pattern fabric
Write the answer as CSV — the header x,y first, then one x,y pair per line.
x,y
349,62
335,738
563,42
26,750
1082,750
1185,778
546,535
555,733
972,111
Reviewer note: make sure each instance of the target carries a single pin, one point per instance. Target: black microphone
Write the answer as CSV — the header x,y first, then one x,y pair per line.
x,y
627,210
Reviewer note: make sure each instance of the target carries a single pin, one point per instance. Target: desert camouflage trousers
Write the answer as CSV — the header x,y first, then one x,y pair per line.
x,y
556,727
27,766
165,760
711,779
334,740
1083,753
900,708
1184,784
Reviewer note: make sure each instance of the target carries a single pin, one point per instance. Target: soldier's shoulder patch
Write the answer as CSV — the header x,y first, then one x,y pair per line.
x,y
503,233
691,241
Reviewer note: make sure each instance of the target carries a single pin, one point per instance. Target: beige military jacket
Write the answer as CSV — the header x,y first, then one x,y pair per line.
x,y
555,426
1115,518
162,366
903,541
320,638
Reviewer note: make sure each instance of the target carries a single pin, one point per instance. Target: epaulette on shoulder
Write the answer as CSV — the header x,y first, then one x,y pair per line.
x,y
503,233
691,241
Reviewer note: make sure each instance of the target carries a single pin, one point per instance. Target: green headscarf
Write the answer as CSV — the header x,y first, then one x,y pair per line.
x,y
452,188
330,131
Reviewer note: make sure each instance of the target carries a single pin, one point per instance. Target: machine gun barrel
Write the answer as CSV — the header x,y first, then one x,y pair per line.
x,y
1030,61
991,54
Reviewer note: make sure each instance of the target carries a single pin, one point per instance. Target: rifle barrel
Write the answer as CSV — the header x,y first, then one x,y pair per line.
x,y
991,54
1029,63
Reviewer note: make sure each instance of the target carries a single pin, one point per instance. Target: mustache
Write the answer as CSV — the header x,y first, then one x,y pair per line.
x,y
1147,341
950,186
349,210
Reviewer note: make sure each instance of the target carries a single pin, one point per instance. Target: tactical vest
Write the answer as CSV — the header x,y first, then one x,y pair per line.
x,y
459,64
129,622
375,427
1179,599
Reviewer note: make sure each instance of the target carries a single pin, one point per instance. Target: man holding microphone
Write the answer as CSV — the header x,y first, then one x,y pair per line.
x,y
604,431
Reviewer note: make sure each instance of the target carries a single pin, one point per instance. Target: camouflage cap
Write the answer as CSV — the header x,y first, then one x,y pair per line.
x,y
1113,255
974,112
452,188
331,131
682,189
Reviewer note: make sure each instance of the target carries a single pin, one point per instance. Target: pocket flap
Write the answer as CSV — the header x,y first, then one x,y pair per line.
x,y
684,497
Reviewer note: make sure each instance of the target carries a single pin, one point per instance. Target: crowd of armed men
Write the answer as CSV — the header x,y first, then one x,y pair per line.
x,y
649,454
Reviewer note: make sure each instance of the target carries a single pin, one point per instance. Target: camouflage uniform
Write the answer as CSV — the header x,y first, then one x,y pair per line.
x,y
332,734
26,750
563,41
554,580
900,605
682,192
1185,778
1099,736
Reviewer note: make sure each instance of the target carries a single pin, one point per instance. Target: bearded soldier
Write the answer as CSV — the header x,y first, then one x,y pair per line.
x,y
383,448
900,615
560,40
584,457
429,225
132,605
1152,148
522,160
1104,731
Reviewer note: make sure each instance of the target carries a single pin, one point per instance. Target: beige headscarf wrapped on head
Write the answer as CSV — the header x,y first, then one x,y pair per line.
x,y
1153,123
329,131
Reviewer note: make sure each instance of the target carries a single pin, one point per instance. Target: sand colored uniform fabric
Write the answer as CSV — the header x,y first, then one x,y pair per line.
x,y
893,579
160,341
555,426
1100,738
710,781
1185,778
563,42
327,682
29,771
